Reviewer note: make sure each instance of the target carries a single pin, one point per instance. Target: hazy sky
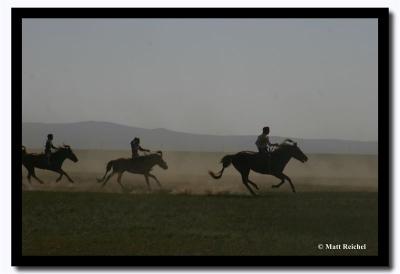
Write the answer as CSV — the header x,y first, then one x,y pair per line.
x,y
310,78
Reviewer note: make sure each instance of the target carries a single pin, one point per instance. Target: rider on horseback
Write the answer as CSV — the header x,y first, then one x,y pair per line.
x,y
263,144
135,146
48,147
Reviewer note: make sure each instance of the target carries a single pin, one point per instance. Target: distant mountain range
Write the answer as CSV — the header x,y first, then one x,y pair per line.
x,y
104,135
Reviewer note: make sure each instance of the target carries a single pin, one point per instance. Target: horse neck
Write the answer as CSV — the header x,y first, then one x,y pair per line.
x,y
59,156
282,157
151,161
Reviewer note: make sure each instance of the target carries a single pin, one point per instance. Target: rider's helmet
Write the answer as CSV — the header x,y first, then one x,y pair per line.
x,y
265,130
50,136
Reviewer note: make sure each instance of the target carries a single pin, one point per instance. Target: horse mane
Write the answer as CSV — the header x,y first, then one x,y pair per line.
x,y
64,146
288,142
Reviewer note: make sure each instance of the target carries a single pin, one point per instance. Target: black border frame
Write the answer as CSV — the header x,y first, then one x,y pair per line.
x,y
382,14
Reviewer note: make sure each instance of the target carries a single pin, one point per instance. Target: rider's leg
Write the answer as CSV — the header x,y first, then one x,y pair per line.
x,y
267,155
269,162
48,158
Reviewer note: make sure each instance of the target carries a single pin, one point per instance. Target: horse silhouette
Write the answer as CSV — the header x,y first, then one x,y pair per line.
x,y
140,165
245,161
34,160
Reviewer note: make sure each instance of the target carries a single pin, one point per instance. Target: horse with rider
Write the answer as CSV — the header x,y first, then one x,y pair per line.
x,y
52,159
137,164
271,159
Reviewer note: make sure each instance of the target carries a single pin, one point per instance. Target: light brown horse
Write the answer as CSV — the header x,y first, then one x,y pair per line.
x,y
140,165
34,160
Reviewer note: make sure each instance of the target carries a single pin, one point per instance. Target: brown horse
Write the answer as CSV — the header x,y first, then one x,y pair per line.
x,y
140,165
33,160
274,164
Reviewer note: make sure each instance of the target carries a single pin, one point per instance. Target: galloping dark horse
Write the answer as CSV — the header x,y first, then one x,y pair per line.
x,y
33,160
245,161
141,165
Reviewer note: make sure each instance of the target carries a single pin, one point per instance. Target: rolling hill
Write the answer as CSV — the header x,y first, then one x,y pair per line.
x,y
105,135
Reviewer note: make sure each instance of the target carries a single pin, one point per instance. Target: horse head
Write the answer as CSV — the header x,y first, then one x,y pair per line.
x,y
294,150
68,153
160,161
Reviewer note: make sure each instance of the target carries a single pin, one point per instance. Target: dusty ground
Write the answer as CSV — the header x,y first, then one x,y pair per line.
x,y
336,203
188,173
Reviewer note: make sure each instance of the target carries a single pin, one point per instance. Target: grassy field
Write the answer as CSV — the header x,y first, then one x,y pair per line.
x,y
275,223
193,214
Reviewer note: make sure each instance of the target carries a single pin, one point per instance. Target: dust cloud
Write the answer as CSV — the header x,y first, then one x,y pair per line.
x,y
188,174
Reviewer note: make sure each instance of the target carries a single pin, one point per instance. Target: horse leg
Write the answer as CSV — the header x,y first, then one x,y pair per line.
x,y
290,182
155,179
29,177
119,177
280,176
59,177
245,181
108,178
66,175
283,177
253,184
119,182
34,176
146,176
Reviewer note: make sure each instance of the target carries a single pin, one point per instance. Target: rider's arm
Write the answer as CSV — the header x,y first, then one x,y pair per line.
x,y
143,149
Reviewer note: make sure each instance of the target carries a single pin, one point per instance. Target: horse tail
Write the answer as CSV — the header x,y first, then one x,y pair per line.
x,y
109,166
225,161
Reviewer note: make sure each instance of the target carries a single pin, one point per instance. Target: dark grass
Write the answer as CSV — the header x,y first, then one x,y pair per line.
x,y
79,223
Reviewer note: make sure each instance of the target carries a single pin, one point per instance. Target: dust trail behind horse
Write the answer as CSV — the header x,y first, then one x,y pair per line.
x,y
245,161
